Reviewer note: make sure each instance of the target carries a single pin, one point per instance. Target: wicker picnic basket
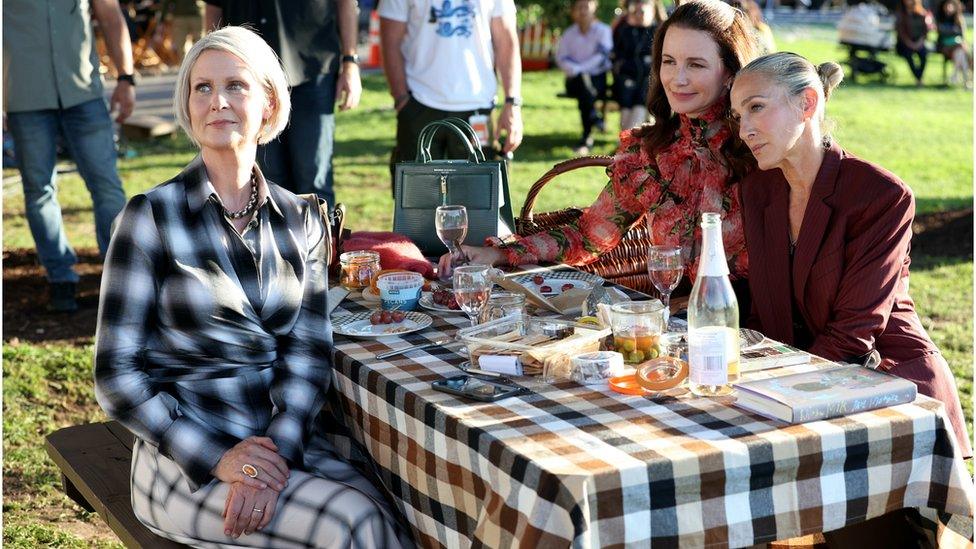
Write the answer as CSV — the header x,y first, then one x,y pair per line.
x,y
626,264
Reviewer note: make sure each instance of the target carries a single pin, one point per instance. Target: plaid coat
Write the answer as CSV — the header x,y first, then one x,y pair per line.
x,y
207,336
187,303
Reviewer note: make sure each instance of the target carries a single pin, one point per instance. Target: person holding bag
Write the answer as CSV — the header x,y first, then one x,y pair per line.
x,y
669,172
444,59
214,343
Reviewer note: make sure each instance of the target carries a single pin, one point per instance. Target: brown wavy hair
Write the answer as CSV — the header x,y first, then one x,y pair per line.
x,y
732,32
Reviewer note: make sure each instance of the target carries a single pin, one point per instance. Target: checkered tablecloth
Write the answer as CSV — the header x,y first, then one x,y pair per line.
x,y
587,467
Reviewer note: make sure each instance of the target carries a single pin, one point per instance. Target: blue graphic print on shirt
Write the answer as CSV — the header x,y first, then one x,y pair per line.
x,y
453,20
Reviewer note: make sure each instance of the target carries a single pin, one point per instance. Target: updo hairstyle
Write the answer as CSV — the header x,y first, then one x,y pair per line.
x,y
795,74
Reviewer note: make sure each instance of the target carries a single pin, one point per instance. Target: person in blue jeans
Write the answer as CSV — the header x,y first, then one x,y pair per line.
x,y
316,42
52,88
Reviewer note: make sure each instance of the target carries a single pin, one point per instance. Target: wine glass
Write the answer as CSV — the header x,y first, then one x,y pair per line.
x,y
665,267
472,289
452,226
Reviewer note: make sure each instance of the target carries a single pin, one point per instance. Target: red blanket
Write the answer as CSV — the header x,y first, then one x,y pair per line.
x,y
396,251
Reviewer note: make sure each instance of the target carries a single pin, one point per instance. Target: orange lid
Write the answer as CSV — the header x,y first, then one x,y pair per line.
x,y
626,384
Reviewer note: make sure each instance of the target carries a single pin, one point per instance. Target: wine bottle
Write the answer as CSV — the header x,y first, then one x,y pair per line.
x,y
713,318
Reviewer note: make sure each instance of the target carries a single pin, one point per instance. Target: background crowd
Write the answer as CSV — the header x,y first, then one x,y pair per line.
x,y
603,62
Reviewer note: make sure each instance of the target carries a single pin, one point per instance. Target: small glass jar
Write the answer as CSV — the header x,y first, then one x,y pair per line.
x,y
357,269
502,304
637,328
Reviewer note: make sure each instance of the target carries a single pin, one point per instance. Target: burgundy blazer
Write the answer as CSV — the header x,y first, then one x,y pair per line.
x,y
850,271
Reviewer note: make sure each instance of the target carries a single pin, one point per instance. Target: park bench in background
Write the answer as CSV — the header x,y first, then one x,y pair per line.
x,y
94,460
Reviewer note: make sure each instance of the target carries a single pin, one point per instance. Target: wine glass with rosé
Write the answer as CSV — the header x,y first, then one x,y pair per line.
x,y
665,267
451,223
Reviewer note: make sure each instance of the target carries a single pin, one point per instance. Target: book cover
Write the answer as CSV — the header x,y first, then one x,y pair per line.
x,y
824,394
775,355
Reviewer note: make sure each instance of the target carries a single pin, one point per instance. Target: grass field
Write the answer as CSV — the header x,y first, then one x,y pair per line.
x,y
923,135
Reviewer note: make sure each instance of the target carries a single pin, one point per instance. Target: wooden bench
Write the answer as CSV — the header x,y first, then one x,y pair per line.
x,y
94,460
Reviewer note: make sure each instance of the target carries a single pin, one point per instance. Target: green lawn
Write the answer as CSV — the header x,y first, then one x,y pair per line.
x,y
923,135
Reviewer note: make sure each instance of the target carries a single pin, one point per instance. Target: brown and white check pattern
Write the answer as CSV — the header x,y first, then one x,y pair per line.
x,y
582,466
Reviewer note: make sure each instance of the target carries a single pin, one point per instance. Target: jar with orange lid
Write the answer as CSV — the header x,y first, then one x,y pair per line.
x,y
356,268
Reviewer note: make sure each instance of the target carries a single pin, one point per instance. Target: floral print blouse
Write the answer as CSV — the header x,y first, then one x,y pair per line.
x,y
668,190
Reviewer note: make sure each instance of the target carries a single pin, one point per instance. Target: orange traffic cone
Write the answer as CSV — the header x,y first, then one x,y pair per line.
x,y
375,59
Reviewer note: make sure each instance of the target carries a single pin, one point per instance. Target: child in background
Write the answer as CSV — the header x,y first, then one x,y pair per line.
x,y
633,39
584,56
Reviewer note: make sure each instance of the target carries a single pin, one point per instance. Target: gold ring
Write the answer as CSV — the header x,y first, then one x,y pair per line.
x,y
249,470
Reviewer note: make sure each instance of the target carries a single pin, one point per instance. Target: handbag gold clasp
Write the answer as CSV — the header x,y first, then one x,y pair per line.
x,y
444,188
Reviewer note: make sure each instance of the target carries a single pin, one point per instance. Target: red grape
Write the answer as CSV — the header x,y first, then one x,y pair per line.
x,y
546,289
376,318
568,286
387,317
398,316
538,280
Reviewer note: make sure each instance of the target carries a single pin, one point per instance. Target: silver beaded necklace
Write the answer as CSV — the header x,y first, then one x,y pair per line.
x,y
251,203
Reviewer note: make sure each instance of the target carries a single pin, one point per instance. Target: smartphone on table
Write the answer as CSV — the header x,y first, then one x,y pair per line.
x,y
475,388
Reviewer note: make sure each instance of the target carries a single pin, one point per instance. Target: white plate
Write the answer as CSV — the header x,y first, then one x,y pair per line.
x,y
427,302
357,325
556,281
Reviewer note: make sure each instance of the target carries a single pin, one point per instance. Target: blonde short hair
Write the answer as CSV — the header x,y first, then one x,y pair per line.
x,y
263,64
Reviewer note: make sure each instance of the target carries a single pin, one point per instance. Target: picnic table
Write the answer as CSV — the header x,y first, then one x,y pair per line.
x,y
578,465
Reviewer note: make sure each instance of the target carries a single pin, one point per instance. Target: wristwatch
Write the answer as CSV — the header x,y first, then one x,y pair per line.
x,y
513,101
130,78
354,58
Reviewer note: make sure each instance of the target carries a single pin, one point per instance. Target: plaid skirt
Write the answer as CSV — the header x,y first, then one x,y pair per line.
x,y
332,505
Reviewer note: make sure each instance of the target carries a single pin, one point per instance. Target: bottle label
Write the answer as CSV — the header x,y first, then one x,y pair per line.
x,y
708,360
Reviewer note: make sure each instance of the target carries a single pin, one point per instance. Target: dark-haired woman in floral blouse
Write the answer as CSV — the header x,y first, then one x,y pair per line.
x,y
687,163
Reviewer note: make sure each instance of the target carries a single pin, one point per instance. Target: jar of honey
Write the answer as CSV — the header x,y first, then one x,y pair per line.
x,y
357,269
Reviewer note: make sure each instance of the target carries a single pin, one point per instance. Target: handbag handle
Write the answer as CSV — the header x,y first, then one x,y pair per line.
x,y
525,216
466,128
427,137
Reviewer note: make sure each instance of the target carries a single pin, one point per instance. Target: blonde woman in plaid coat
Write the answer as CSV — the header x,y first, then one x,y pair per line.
x,y
214,344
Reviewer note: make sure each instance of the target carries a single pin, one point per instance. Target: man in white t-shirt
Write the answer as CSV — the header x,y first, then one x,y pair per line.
x,y
439,57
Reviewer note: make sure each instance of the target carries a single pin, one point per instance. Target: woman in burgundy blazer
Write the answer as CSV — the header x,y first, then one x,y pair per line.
x,y
828,234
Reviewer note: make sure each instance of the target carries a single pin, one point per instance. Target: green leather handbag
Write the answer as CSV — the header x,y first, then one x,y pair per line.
x,y
478,184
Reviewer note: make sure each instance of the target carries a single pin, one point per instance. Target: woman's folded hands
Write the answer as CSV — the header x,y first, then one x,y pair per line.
x,y
256,474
